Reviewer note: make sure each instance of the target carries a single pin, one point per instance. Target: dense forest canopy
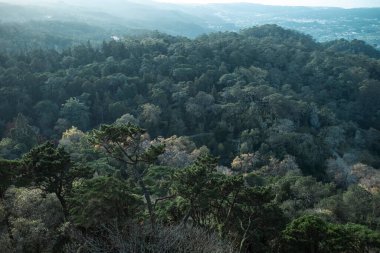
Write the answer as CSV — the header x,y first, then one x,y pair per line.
x,y
262,88
262,140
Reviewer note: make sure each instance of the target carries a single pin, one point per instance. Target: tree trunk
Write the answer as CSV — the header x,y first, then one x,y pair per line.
x,y
149,204
146,193
227,219
188,213
63,204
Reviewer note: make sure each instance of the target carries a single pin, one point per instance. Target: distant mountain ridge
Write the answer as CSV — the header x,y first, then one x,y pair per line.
x,y
120,17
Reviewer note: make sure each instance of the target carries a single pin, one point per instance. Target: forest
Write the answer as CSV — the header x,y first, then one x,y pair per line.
x,y
26,24
262,140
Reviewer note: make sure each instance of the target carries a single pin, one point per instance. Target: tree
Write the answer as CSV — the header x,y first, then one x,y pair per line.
x,y
179,152
127,118
256,220
51,170
243,163
193,182
9,171
22,137
358,205
47,114
200,105
225,203
369,103
75,142
310,233
101,200
23,133
34,219
360,238
305,234
150,116
76,113
129,145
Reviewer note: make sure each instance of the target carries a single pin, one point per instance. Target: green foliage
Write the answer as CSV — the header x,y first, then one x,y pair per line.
x,y
295,193
127,144
275,105
22,137
279,96
9,172
358,203
224,203
206,194
312,234
102,200
76,113
47,115
306,234
360,238
32,219
50,168
23,133
193,181
158,180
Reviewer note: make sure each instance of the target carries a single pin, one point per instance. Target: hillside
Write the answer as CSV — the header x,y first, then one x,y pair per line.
x,y
323,24
254,141
121,17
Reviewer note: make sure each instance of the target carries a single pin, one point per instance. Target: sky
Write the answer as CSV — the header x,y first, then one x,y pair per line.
x,y
321,3
325,3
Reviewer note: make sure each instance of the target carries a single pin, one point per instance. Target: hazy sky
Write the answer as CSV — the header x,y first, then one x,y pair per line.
x,y
335,3
331,3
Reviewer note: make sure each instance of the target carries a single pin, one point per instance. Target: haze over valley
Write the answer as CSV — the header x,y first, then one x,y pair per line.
x,y
98,20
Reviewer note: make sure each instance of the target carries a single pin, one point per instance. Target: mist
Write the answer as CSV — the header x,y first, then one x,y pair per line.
x,y
323,3
120,17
